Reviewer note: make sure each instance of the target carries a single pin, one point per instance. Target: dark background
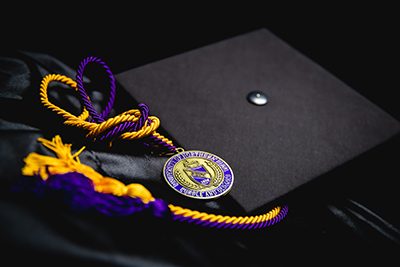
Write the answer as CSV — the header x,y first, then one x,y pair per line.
x,y
357,43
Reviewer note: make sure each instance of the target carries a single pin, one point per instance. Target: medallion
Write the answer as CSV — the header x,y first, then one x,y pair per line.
x,y
198,174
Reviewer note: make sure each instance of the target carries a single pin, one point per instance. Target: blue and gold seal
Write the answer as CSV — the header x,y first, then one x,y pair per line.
x,y
198,174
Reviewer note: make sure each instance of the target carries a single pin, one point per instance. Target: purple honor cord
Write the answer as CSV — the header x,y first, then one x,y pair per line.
x,y
128,126
79,80
99,118
283,212
68,183
77,191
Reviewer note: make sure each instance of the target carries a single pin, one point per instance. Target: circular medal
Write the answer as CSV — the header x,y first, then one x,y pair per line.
x,y
198,174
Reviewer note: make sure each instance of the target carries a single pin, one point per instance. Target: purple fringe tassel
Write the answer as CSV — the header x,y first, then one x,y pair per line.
x,y
77,191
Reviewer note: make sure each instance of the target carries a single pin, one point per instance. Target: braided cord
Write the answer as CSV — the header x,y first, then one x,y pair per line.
x,y
79,80
233,222
46,166
99,118
45,99
107,129
156,140
132,124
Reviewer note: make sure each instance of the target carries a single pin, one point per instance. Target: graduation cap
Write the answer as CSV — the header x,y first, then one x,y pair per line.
x,y
311,124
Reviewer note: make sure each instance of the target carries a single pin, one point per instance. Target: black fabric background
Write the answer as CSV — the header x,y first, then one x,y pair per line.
x,y
348,216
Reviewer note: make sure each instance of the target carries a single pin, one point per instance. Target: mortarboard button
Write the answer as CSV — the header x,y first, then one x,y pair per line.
x,y
257,98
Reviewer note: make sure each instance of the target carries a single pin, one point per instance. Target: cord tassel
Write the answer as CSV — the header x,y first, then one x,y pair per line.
x,y
85,189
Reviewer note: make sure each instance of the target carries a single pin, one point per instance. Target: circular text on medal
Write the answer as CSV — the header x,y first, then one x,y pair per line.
x,y
198,174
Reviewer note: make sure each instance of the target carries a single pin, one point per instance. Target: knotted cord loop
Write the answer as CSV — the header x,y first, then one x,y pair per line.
x,y
45,99
95,129
132,124
79,80
126,126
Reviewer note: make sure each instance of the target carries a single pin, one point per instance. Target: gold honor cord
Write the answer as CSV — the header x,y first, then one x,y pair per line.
x,y
97,128
225,219
45,166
